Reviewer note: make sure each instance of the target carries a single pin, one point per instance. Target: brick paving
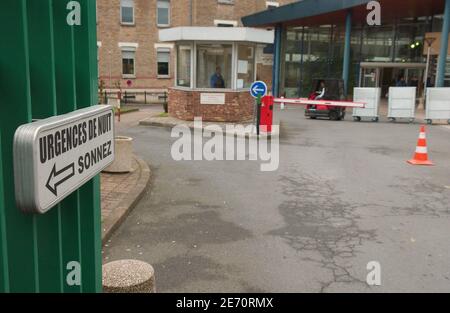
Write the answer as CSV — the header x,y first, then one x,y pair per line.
x,y
120,193
115,187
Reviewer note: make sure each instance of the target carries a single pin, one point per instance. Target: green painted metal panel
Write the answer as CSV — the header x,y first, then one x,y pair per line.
x,y
43,103
4,283
66,102
48,68
21,244
87,93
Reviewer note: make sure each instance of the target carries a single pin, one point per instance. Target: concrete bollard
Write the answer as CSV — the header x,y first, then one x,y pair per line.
x,y
128,276
123,156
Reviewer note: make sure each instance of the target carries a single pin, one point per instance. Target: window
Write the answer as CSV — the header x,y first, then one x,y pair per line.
x,y
128,60
163,12
377,43
127,12
245,66
163,58
184,66
409,44
214,65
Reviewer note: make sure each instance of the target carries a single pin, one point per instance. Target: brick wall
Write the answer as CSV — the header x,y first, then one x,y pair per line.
x,y
185,105
206,11
145,33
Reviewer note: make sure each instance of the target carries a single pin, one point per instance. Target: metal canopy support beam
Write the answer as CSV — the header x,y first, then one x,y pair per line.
x,y
444,46
277,61
347,49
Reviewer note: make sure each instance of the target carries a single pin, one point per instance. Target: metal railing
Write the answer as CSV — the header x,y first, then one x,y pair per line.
x,y
146,97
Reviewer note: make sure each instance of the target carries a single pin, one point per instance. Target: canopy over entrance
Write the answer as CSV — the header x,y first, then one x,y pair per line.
x,y
320,12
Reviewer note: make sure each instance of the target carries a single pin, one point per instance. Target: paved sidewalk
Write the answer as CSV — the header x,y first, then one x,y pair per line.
x,y
132,119
120,193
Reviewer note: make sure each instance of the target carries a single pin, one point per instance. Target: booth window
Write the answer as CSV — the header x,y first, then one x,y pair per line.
x,y
245,66
163,57
184,66
128,58
127,12
214,65
163,13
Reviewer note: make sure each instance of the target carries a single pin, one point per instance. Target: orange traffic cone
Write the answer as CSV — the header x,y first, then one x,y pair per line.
x,y
421,155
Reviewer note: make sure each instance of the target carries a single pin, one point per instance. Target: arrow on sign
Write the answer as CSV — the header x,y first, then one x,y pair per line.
x,y
56,178
258,90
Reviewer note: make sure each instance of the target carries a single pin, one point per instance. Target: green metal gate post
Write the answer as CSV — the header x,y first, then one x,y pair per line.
x,y
4,286
48,68
87,95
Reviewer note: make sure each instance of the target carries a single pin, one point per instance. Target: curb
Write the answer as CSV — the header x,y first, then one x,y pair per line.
x,y
146,122
127,112
118,215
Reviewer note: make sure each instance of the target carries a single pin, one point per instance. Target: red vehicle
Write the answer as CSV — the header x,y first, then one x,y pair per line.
x,y
326,89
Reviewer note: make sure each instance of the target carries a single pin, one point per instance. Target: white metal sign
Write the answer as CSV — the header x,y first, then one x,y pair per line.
x,y
55,156
212,98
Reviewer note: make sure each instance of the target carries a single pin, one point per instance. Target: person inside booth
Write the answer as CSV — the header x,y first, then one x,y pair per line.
x,y
217,80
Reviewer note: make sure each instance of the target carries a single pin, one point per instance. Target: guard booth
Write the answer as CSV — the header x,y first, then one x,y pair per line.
x,y
202,53
47,67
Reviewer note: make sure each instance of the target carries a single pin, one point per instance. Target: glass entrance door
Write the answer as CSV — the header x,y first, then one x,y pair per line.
x,y
370,77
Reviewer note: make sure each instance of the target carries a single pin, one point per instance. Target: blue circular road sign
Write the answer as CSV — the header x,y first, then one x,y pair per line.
x,y
258,88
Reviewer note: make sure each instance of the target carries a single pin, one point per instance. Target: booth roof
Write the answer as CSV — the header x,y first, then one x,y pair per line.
x,y
218,34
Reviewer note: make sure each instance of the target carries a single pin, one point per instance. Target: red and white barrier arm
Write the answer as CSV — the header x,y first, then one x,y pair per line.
x,y
305,101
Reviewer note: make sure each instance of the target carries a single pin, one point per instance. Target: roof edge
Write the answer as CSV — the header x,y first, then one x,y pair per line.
x,y
298,10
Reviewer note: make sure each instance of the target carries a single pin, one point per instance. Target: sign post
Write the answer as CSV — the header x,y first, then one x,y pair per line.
x,y
258,115
258,90
55,156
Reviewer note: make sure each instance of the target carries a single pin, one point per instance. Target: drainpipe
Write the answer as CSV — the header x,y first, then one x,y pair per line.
x,y
444,46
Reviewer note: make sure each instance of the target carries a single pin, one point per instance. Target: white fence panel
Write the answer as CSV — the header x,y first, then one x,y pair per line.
x,y
371,96
438,104
402,102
